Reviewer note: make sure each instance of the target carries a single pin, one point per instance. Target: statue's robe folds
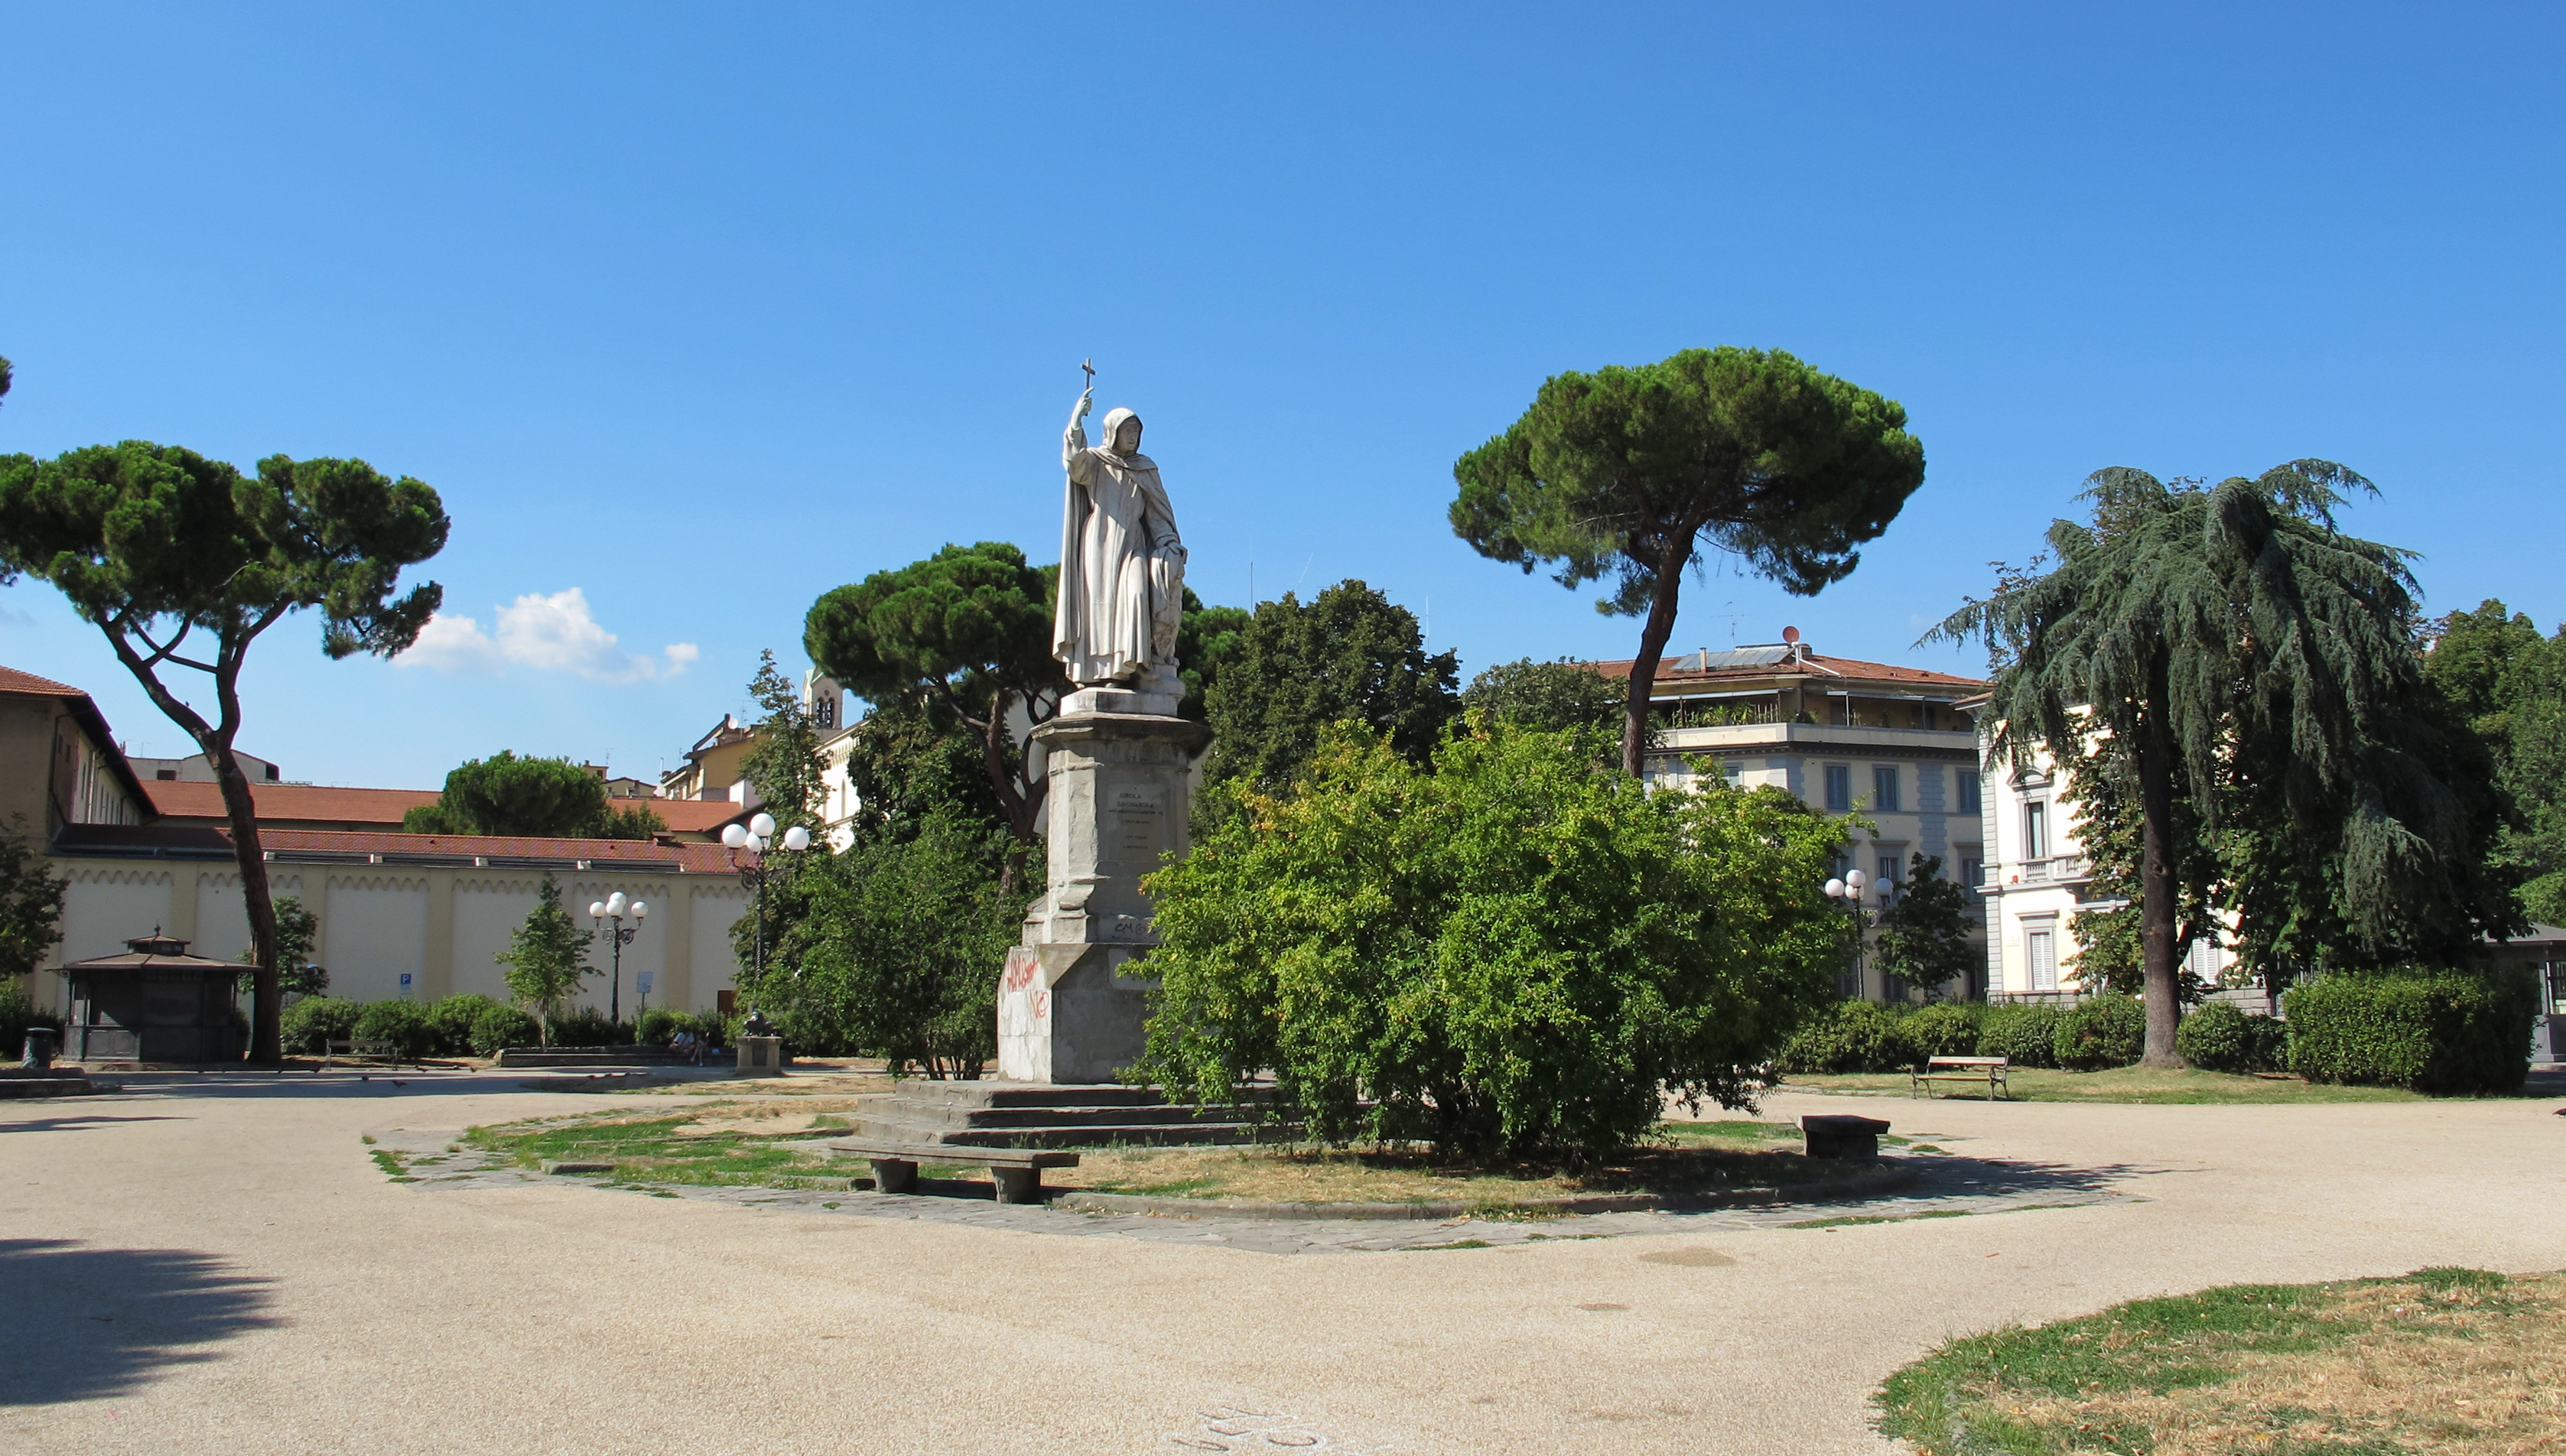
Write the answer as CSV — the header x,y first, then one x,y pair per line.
x,y
1122,566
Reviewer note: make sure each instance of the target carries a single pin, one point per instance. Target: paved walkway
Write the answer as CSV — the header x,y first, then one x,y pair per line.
x,y
213,1262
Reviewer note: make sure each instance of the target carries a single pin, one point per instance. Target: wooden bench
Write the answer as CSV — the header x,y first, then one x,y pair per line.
x,y
1016,1170
354,1048
1986,1071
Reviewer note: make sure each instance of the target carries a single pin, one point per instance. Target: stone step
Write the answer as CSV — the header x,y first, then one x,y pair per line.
x,y
1026,1094
51,1087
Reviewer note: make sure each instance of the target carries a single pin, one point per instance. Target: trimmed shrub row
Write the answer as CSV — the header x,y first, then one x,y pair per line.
x,y
2431,1032
1862,1036
2448,1032
2218,1037
473,1024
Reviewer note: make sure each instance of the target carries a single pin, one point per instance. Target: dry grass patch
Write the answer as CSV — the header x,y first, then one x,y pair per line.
x,y
1691,1159
2442,1361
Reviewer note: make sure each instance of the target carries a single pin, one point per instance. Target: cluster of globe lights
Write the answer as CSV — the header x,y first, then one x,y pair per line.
x,y
615,907
757,835
1847,888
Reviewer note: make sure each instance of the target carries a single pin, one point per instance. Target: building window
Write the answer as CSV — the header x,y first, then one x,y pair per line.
x,y
1969,792
1974,870
1839,788
2035,831
1884,788
2040,948
2202,960
1889,868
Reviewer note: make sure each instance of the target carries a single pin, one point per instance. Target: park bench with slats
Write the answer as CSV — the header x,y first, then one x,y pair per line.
x,y
1987,1072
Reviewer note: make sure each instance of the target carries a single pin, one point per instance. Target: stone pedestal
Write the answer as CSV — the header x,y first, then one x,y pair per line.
x,y
1071,1003
761,1056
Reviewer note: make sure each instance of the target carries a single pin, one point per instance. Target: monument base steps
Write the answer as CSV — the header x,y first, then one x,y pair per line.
x,y
1039,1114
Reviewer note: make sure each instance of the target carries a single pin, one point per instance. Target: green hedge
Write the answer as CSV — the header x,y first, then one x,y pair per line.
x,y
1864,1036
1851,1036
496,1028
310,1024
2102,1032
404,1025
2219,1037
2431,1032
1944,1029
2027,1034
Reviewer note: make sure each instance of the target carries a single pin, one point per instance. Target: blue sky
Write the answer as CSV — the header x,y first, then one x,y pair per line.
x,y
698,314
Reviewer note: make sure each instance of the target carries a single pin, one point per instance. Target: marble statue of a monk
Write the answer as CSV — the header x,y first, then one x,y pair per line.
x,y
1122,567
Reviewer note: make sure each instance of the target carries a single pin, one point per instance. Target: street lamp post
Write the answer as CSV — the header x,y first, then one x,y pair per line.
x,y
617,909
753,840
1849,890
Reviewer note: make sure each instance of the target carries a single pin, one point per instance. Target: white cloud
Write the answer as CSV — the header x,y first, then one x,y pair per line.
x,y
452,644
551,634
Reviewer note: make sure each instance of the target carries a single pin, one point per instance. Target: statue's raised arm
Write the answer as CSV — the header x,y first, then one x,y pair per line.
x,y
1072,440
1122,563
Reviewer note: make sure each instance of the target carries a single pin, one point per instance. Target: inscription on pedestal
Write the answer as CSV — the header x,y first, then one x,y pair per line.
x,y
1139,822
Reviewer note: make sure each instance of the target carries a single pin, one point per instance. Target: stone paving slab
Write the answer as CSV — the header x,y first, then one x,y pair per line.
x,y
1947,1188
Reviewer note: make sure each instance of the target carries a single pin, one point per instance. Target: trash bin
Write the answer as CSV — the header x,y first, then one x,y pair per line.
x,y
43,1043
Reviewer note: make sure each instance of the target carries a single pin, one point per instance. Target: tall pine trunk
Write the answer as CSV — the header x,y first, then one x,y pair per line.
x,y
1660,625
2155,756
267,995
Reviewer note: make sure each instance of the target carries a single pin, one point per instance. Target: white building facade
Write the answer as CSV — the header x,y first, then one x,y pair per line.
x,y
1896,747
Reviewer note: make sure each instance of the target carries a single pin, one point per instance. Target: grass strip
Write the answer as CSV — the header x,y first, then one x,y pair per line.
x,y
2441,1362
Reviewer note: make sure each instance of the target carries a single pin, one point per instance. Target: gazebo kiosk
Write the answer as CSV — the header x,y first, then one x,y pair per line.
x,y
154,1003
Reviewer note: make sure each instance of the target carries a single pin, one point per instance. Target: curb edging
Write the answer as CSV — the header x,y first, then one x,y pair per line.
x,y
1886,1181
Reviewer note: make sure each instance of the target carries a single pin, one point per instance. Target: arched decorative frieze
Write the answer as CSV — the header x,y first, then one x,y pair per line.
x,y
402,884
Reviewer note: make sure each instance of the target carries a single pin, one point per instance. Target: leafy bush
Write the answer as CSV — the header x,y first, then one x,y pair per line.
x,y
496,1028
16,1013
2025,1035
588,1026
1518,948
310,1024
1850,1035
2431,1030
659,1025
2220,1037
1944,1029
453,1018
403,1024
2105,1031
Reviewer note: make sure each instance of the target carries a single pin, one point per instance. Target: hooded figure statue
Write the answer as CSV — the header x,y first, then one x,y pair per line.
x,y
1122,567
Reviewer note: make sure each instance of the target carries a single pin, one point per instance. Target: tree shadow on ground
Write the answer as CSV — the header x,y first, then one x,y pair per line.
x,y
81,1121
1948,1176
86,1322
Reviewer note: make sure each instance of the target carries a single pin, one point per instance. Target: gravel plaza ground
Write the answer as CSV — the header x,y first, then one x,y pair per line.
x,y
214,1262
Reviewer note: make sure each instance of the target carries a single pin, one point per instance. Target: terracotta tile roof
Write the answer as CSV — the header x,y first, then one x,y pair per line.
x,y
13,681
687,816
1674,667
313,804
173,799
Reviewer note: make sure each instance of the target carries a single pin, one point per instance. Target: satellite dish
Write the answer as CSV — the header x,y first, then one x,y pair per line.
x,y
1790,634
